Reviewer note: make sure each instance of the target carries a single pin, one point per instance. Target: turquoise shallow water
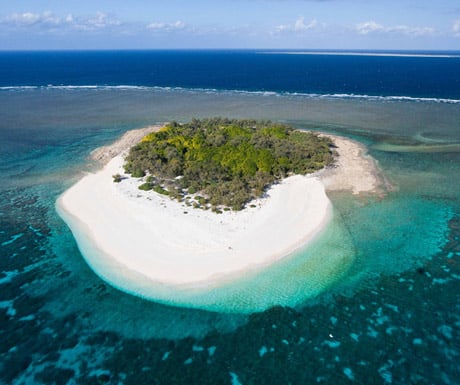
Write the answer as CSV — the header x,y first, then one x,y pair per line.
x,y
391,315
290,281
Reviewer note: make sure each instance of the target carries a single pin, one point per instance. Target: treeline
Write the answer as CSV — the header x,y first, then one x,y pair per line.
x,y
227,161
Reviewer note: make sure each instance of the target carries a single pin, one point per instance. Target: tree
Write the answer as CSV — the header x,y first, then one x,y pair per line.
x,y
230,161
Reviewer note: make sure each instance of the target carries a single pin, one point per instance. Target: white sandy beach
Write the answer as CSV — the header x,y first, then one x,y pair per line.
x,y
169,243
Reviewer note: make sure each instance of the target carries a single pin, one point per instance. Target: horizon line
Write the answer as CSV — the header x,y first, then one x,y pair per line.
x,y
304,51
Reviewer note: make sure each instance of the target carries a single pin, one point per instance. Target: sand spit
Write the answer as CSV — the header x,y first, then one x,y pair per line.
x,y
354,170
106,153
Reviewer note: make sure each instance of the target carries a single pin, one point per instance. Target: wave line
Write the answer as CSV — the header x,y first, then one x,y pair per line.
x,y
339,96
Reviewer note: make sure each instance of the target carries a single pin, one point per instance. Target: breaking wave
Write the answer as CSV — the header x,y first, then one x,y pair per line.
x,y
343,96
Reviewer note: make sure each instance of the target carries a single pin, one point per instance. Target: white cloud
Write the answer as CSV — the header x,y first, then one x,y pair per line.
x,y
369,27
167,27
26,18
100,21
456,28
298,26
29,18
49,21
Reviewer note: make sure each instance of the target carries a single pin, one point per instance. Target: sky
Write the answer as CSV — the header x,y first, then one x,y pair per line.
x,y
206,24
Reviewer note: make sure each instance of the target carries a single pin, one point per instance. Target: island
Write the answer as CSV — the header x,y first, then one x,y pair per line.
x,y
154,222
223,164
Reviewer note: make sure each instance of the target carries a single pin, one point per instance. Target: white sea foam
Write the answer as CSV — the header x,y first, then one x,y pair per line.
x,y
343,96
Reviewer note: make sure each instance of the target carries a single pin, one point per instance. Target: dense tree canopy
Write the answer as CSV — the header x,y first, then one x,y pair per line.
x,y
227,162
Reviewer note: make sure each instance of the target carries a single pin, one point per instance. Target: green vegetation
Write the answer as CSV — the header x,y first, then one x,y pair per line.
x,y
137,173
160,190
145,186
228,162
116,178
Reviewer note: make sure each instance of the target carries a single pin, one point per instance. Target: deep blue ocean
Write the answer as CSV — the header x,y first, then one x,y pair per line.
x,y
392,318
422,75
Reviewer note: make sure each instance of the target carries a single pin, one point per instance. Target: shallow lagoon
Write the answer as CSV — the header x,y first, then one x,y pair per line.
x,y
392,317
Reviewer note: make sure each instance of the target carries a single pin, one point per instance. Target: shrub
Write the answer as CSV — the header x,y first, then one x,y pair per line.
x,y
138,173
160,190
191,190
145,186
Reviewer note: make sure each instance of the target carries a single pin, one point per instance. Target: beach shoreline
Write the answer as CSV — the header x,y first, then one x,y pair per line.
x,y
106,153
353,169
183,245
144,234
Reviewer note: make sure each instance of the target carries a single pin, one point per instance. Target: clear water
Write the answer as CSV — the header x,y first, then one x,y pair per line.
x,y
304,274
392,316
